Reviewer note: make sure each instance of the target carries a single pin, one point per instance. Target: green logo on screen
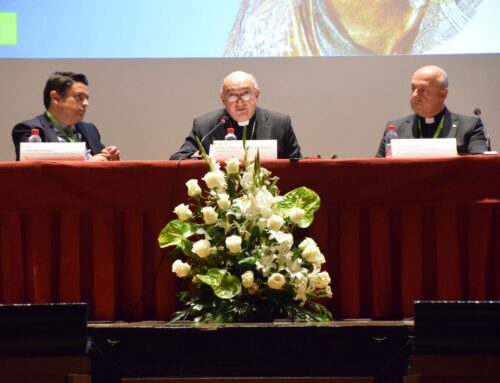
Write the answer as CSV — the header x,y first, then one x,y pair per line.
x,y
8,28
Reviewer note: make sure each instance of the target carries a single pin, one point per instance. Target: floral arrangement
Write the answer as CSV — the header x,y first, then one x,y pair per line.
x,y
234,241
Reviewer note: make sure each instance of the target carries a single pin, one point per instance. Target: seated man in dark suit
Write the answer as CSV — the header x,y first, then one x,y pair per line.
x,y
239,95
429,88
66,98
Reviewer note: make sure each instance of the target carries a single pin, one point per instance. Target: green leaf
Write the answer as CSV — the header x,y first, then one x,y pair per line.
x,y
176,233
224,285
248,260
213,277
204,154
245,147
229,288
303,198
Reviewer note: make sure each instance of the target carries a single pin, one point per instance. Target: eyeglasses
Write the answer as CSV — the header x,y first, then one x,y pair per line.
x,y
243,97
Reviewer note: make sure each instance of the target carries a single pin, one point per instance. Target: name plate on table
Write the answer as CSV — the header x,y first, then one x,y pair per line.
x,y
61,151
424,147
223,150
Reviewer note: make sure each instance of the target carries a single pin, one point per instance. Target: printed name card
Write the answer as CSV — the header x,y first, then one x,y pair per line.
x,y
223,150
60,151
424,147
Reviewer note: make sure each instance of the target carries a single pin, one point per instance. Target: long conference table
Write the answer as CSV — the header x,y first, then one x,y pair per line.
x,y
392,231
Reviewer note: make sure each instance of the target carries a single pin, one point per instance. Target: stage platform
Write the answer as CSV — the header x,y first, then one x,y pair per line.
x,y
379,350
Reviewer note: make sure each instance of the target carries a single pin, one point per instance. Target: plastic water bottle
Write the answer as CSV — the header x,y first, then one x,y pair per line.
x,y
230,134
391,134
35,136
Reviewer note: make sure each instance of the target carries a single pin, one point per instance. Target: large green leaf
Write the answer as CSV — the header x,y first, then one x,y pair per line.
x,y
224,285
213,277
176,233
303,198
229,288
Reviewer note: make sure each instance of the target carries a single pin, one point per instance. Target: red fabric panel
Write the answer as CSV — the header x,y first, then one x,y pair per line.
x,y
448,278
411,258
165,281
69,255
38,253
132,273
105,264
493,272
348,272
479,232
381,265
12,289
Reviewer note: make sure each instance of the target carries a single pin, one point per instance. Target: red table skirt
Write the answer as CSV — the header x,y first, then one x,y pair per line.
x,y
393,231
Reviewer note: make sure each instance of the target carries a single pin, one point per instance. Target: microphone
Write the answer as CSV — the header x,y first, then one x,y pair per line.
x,y
478,113
222,121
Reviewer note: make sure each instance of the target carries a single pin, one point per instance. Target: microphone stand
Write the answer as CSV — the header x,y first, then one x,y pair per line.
x,y
478,113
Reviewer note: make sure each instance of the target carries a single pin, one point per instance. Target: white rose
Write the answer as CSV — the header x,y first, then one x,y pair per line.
x,y
232,166
233,243
320,280
223,202
312,254
209,215
215,180
275,222
297,215
276,281
193,188
320,259
247,279
180,268
183,212
307,241
202,248
328,292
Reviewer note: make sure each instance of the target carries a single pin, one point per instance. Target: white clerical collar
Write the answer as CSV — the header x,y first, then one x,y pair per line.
x,y
429,120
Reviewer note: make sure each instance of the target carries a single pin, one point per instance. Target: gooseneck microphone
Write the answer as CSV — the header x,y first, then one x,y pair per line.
x,y
222,121
478,113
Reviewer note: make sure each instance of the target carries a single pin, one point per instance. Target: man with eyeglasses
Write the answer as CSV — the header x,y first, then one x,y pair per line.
x,y
66,99
239,95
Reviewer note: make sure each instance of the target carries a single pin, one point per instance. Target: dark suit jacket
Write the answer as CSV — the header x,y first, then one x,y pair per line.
x,y
22,131
269,126
468,131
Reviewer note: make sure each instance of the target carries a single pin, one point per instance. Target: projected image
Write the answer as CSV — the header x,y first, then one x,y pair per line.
x,y
246,28
346,27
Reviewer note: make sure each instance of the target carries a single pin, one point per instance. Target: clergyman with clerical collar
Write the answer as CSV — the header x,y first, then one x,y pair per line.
x,y
432,119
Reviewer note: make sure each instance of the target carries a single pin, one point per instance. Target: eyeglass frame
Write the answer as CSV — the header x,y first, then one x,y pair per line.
x,y
246,96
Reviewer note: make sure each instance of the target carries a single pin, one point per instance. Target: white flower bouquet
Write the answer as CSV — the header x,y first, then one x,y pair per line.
x,y
235,242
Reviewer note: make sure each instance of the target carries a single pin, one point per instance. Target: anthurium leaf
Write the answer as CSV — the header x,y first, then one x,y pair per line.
x,y
304,198
176,233
229,287
224,285
213,277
